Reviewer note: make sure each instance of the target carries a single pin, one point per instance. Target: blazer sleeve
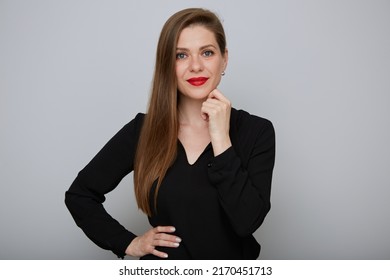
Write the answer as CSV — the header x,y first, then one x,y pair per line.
x,y
244,183
103,173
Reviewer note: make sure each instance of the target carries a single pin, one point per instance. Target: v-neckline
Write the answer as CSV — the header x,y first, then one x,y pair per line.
x,y
186,156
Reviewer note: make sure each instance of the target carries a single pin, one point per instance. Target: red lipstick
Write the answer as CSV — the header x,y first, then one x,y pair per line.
x,y
197,81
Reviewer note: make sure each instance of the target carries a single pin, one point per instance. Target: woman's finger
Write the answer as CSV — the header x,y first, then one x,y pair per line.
x,y
159,254
163,229
165,243
167,237
216,94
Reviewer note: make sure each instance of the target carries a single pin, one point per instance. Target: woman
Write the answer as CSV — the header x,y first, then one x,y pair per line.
x,y
202,170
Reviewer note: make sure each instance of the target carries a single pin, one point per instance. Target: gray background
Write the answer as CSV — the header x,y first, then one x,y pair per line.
x,y
74,72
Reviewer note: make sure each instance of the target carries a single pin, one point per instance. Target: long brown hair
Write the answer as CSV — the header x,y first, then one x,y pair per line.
x,y
157,145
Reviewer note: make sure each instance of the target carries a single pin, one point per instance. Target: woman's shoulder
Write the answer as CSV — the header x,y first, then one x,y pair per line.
x,y
241,120
137,120
139,116
133,127
249,132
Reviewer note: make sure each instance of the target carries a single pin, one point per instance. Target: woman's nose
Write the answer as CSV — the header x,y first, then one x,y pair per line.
x,y
196,64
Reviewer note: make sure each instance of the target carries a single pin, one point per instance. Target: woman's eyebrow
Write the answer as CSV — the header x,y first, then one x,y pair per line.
x,y
201,48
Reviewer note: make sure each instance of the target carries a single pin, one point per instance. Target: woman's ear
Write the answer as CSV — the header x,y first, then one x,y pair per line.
x,y
225,59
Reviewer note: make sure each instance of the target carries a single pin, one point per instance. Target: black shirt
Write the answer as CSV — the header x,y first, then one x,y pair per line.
x,y
215,204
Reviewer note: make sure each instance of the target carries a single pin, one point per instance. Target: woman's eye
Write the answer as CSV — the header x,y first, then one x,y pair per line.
x,y
181,56
208,53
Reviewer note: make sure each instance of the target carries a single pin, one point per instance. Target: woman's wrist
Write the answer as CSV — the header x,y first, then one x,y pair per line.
x,y
132,249
221,145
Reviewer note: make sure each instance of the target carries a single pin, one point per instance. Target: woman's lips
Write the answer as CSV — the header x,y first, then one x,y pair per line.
x,y
198,81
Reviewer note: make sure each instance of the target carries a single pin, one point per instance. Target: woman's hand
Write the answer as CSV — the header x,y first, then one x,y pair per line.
x,y
216,110
146,243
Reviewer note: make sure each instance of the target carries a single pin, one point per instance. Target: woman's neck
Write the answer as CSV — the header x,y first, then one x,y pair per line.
x,y
189,111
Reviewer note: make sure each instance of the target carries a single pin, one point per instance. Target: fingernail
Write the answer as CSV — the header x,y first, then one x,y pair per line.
x,y
173,229
165,256
176,244
178,239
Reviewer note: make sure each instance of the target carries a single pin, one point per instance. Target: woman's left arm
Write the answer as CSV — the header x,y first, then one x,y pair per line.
x,y
244,188
244,192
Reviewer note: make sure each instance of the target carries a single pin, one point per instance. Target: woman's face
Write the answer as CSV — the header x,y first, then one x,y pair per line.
x,y
199,62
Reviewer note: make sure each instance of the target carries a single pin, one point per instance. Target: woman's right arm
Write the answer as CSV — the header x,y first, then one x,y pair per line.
x,y
102,174
86,195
